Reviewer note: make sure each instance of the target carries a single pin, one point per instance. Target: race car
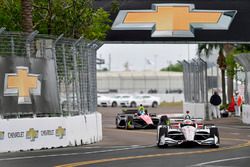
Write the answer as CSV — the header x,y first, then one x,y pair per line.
x,y
186,131
130,119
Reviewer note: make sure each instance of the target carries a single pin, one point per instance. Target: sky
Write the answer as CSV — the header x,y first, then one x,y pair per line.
x,y
140,57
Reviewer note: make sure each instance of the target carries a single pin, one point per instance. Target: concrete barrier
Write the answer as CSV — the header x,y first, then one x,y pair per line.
x,y
197,110
246,114
38,133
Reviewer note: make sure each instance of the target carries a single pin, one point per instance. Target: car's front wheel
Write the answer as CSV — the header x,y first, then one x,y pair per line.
x,y
133,104
154,104
162,132
214,132
114,104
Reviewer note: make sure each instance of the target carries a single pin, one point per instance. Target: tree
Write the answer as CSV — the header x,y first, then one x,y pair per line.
x,y
10,15
174,67
73,18
26,13
221,61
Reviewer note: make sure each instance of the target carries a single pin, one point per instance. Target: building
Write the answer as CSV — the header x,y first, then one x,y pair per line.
x,y
140,82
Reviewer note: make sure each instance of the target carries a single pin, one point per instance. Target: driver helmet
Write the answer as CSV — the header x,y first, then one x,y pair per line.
x,y
188,122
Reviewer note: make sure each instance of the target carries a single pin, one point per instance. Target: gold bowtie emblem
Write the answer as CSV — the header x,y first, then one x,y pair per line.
x,y
22,84
60,132
1,135
32,134
173,20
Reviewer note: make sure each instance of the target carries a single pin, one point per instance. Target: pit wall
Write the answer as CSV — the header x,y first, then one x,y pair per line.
x,y
197,110
38,133
246,114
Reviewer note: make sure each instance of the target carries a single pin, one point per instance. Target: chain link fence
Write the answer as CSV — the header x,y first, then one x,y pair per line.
x,y
74,61
244,60
195,81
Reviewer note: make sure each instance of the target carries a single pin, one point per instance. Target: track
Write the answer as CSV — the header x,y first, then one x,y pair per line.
x,y
137,147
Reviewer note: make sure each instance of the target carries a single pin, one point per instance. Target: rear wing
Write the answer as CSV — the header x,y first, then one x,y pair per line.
x,y
131,111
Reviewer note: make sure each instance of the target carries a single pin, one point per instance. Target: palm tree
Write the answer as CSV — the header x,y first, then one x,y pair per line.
x,y
26,12
221,61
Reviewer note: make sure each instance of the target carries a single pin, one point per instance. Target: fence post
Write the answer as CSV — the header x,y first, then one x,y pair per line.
x,y
207,117
93,47
57,76
29,39
76,73
2,29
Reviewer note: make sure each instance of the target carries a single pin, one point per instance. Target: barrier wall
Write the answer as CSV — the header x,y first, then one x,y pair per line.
x,y
197,110
38,133
246,114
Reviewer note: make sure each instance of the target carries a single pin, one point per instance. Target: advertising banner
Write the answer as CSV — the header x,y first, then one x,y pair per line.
x,y
28,85
179,20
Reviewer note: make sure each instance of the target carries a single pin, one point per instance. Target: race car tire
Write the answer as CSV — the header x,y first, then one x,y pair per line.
x,y
116,123
163,120
214,132
154,104
162,131
129,121
114,104
133,104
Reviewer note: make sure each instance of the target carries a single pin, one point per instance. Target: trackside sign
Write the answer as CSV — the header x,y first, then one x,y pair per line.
x,y
173,20
180,20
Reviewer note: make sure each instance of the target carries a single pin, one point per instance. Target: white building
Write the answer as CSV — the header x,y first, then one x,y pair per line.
x,y
138,82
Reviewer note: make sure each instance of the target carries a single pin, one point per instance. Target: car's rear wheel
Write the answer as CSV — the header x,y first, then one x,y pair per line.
x,y
133,104
164,120
214,132
114,104
163,131
154,104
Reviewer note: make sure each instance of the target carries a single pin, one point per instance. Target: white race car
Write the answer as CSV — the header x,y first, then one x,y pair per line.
x,y
184,131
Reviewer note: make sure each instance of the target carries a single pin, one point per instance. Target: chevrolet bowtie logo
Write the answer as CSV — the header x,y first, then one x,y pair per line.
x,y
22,84
60,132
1,135
173,20
32,134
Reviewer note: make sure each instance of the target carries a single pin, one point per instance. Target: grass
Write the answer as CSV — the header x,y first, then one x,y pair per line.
x,y
171,104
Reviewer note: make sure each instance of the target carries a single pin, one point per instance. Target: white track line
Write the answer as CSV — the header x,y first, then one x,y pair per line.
x,y
221,160
76,153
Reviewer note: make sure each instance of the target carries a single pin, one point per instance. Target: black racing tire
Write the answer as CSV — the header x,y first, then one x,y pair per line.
x,y
129,119
114,104
154,104
163,120
116,123
162,131
214,132
133,104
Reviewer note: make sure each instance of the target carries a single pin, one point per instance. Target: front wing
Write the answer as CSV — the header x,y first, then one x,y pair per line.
x,y
177,138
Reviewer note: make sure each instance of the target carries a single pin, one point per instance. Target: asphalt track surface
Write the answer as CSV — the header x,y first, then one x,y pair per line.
x,y
122,148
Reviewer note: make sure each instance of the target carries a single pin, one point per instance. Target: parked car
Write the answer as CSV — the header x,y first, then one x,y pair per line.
x,y
115,100
103,101
145,100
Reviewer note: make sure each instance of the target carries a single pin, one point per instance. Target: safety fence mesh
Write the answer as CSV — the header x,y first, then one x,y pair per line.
x,y
74,62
